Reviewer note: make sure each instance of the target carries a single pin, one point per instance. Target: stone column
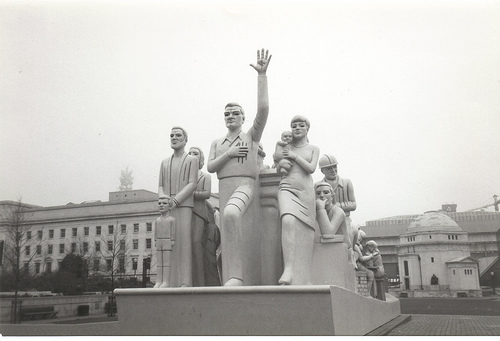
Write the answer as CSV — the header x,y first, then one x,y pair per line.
x,y
271,258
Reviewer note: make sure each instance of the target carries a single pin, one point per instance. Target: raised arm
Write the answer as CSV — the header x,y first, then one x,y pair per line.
x,y
259,123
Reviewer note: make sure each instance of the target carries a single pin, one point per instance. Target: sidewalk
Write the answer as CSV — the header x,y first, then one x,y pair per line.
x,y
448,325
408,325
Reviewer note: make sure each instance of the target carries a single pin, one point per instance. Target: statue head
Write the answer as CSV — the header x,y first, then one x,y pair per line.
x,y
197,152
324,191
328,165
234,116
361,235
372,246
163,204
178,138
286,136
300,127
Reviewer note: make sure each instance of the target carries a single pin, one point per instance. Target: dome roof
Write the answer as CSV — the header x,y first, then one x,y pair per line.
x,y
433,221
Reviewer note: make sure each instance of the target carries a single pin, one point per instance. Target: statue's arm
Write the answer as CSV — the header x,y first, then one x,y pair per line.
x,y
309,167
190,187
323,221
214,163
349,205
161,191
173,230
262,109
259,123
204,193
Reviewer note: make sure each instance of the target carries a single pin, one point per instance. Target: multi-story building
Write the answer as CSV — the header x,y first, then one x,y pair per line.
x,y
117,234
482,228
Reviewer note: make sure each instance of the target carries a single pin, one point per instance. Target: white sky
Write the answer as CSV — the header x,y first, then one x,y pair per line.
x,y
406,94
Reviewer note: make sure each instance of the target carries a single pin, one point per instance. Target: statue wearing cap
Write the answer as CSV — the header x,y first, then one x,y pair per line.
x,y
342,188
344,196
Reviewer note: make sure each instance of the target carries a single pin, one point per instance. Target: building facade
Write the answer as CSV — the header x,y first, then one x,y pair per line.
x,y
434,255
116,235
482,230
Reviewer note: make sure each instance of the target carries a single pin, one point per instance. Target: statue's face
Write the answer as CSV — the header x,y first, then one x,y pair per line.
x,y
177,139
233,117
196,153
324,193
299,129
330,172
163,205
286,136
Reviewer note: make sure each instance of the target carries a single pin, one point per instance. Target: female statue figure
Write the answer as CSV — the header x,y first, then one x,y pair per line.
x,y
199,219
297,205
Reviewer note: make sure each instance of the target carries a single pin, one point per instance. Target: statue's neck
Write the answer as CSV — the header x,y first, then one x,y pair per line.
x,y
231,134
178,152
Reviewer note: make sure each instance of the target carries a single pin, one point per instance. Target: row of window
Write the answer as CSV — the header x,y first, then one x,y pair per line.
x,y
466,272
96,265
86,231
450,237
85,247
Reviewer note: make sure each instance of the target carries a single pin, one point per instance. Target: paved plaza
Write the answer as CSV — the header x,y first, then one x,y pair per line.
x,y
448,325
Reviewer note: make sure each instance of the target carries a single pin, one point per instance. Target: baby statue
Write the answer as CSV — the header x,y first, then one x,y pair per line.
x,y
284,165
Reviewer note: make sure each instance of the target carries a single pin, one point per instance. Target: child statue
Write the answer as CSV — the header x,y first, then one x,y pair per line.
x,y
164,235
284,165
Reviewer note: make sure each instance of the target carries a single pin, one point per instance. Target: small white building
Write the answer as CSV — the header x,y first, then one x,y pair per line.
x,y
435,246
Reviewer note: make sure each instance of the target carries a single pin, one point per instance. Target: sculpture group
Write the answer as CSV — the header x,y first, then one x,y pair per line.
x,y
186,236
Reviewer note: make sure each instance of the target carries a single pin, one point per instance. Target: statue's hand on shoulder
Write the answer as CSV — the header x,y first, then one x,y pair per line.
x,y
263,60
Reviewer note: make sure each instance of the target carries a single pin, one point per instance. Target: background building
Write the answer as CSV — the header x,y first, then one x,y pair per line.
x,y
116,235
434,258
482,229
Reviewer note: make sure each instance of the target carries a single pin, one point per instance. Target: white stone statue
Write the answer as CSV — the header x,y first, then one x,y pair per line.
x,y
234,158
200,219
177,183
372,261
330,217
164,235
297,205
283,166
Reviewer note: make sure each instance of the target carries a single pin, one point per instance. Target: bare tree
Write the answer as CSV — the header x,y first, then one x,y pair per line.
x,y
19,239
115,251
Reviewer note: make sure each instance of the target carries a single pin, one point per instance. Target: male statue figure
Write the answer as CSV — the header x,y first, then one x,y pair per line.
x,y
234,159
344,196
164,241
177,183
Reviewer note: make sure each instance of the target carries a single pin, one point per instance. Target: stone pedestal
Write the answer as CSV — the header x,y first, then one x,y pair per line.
x,y
257,310
331,264
271,259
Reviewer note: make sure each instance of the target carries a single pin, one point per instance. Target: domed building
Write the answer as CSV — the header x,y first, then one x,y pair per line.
x,y
434,258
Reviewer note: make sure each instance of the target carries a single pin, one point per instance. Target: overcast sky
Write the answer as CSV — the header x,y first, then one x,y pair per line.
x,y
406,94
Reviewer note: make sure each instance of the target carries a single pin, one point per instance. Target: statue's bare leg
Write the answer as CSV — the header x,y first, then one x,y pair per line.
x,y
288,243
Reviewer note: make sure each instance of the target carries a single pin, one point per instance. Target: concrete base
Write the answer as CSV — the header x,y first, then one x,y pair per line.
x,y
256,310
331,265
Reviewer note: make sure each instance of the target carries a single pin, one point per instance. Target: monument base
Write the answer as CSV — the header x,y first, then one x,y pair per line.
x,y
251,310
